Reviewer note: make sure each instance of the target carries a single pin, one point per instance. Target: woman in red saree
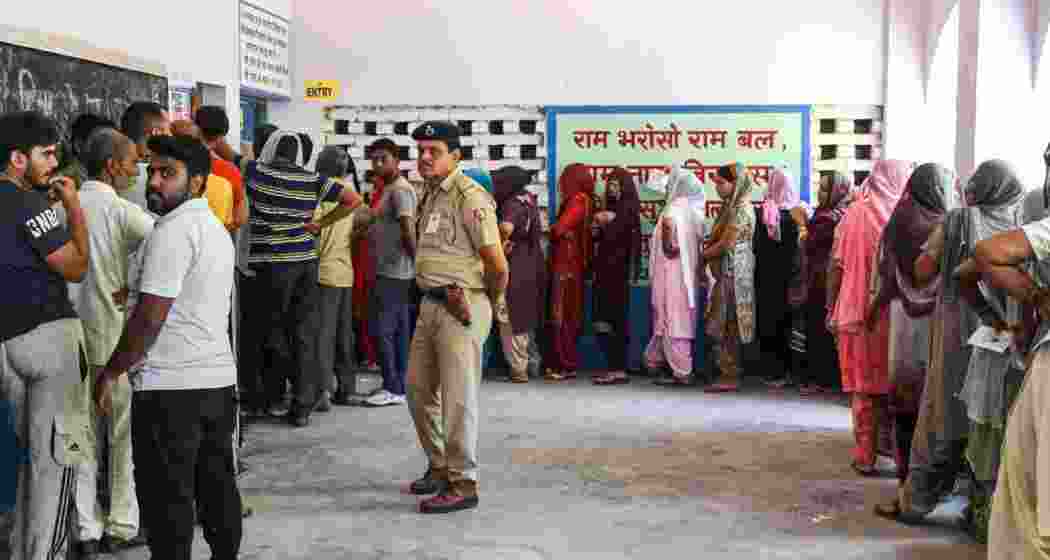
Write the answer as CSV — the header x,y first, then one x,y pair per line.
x,y
364,282
571,247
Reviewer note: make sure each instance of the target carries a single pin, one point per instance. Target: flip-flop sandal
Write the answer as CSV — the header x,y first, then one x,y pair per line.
x,y
621,380
552,377
569,375
889,511
867,472
602,379
721,388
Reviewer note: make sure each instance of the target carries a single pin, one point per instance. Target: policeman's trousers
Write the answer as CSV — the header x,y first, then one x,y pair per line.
x,y
444,379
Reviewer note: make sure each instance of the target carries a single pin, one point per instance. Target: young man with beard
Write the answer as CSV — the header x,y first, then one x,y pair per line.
x,y
117,229
462,274
38,327
183,371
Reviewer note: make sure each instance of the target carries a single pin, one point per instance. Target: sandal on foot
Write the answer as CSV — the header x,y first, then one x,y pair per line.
x,y
889,511
722,388
865,471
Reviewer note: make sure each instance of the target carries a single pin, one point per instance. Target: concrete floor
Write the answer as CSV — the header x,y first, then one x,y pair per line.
x,y
584,472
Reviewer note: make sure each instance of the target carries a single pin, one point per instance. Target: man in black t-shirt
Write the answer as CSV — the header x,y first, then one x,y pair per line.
x,y
38,327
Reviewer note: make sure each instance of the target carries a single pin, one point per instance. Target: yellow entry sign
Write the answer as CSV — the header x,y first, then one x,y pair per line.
x,y
322,90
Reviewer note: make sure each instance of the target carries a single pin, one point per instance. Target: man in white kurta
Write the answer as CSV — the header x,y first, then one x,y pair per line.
x,y
116,228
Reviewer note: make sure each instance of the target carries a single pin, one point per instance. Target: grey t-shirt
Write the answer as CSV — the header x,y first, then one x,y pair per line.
x,y
399,200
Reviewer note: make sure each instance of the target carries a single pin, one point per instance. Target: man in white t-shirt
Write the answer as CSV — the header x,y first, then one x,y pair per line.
x,y
182,366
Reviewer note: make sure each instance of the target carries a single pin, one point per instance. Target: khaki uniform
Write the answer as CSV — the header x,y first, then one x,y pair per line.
x,y
456,219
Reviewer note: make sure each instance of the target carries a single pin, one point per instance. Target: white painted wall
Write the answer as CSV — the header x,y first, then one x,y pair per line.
x,y
467,52
196,40
1011,124
999,106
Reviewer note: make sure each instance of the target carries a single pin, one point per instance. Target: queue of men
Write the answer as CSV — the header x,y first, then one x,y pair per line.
x,y
120,279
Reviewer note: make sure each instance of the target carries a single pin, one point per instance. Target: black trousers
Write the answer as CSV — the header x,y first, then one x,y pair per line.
x,y
615,344
283,323
183,457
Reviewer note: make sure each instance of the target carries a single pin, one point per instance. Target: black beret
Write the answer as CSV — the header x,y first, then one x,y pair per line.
x,y
437,130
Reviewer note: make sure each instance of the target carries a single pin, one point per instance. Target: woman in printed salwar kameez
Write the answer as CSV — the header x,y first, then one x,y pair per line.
x,y
731,313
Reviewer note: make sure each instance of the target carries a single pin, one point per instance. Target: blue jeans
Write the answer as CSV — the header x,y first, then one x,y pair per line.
x,y
392,325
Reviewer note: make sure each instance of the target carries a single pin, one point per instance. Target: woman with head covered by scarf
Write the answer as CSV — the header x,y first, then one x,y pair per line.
x,y
731,316
482,177
821,371
931,192
993,205
570,238
863,351
777,232
1018,262
521,231
615,266
676,272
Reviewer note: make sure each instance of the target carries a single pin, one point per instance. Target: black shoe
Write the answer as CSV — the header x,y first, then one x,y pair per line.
x,y
298,418
324,404
341,398
428,485
89,550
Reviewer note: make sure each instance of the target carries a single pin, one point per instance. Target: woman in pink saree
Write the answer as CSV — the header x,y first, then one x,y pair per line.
x,y
863,351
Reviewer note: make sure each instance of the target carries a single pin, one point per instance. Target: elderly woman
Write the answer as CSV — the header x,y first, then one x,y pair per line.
x,y
676,274
1019,522
570,259
615,265
993,205
863,351
731,316
521,230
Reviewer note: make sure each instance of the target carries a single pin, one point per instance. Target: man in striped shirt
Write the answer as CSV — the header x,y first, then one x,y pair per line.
x,y
283,197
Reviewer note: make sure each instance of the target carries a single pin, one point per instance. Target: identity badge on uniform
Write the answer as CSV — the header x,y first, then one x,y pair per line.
x,y
433,223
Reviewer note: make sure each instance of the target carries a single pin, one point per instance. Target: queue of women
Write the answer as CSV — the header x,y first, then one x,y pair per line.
x,y
860,293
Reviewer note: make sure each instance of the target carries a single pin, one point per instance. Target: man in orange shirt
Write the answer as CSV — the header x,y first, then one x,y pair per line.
x,y
214,125
218,190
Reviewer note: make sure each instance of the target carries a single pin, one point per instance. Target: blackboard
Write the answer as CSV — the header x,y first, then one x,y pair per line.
x,y
62,87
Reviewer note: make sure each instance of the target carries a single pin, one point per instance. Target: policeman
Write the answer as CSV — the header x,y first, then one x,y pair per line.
x,y
462,275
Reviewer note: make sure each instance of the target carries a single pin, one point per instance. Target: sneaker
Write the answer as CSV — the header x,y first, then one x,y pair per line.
x,y
385,398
